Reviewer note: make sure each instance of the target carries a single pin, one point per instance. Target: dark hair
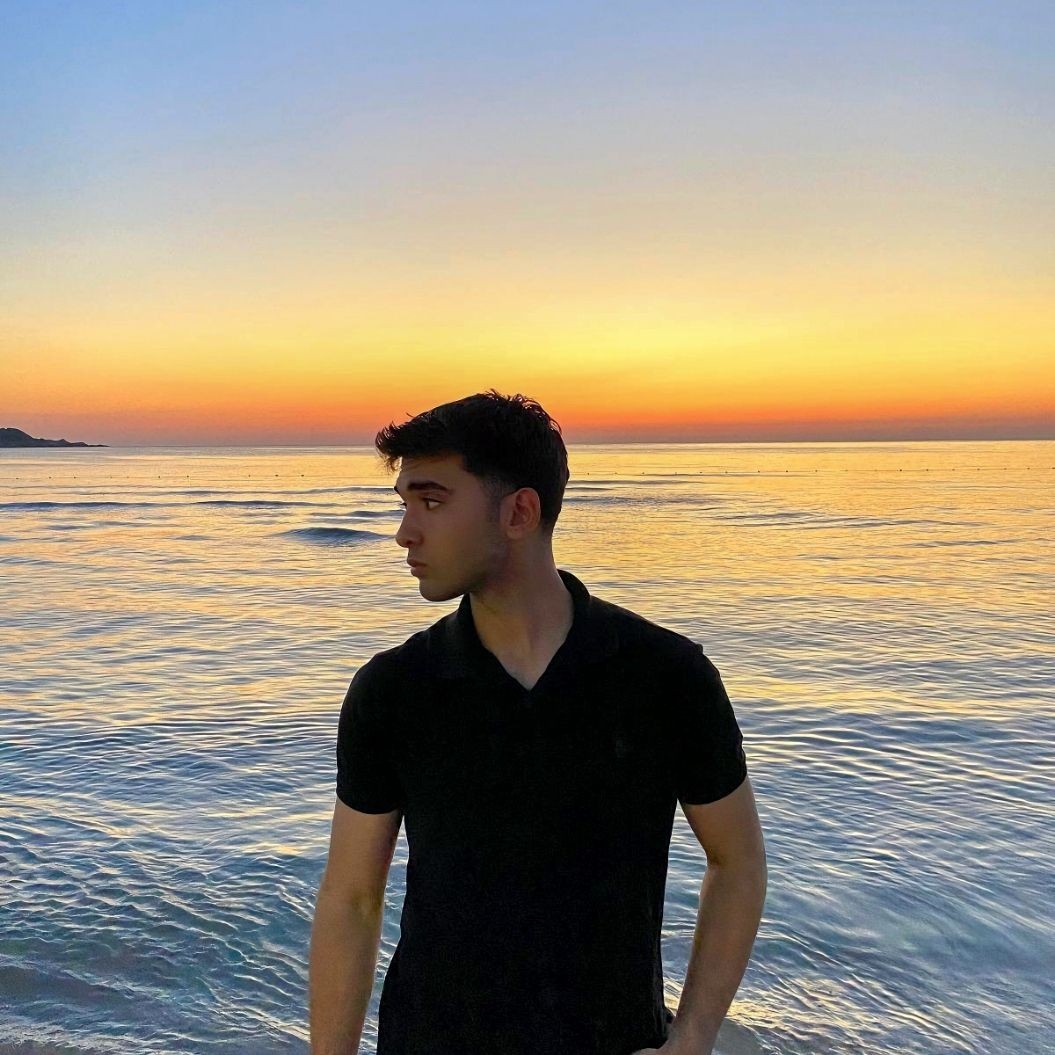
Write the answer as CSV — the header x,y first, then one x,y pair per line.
x,y
508,442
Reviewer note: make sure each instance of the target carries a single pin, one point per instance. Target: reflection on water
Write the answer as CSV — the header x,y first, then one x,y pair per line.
x,y
179,627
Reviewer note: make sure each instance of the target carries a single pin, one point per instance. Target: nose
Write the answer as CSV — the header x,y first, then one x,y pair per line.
x,y
404,535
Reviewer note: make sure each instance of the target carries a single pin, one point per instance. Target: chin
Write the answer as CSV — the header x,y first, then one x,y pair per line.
x,y
438,592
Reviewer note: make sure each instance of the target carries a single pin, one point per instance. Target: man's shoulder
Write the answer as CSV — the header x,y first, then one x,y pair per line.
x,y
387,679
642,637
398,660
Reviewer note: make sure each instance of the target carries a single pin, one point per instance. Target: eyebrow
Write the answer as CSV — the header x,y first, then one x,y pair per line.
x,y
424,485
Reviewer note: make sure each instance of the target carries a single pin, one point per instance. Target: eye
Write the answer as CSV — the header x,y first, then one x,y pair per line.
x,y
403,505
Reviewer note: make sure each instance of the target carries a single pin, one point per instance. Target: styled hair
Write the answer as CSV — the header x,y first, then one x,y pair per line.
x,y
508,442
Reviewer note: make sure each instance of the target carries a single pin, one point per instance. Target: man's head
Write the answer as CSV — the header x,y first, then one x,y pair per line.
x,y
502,468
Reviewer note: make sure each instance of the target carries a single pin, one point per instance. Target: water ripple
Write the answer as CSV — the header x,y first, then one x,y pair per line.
x,y
173,674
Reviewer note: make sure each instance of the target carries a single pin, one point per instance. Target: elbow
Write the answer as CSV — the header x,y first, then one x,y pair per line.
x,y
749,868
363,904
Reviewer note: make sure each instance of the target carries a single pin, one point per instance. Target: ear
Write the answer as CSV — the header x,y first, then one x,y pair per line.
x,y
526,512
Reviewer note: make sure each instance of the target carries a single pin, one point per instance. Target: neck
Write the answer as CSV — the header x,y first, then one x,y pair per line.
x,y
523,614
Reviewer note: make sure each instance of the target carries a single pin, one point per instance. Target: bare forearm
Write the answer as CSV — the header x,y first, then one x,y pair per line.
x,y
731,902
341,964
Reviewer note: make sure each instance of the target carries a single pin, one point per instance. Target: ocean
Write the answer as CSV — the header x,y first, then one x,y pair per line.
x,y
179,627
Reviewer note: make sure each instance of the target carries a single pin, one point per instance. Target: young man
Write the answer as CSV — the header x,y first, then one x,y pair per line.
x,y
535,742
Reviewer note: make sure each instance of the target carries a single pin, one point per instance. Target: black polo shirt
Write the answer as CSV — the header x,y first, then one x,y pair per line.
x,y
538,824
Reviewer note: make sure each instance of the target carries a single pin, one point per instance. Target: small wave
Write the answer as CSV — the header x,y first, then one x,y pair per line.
x,y
75,505
193,491
613,497
803,518
334,536
348,489
958,542
121,523
33,562
273,502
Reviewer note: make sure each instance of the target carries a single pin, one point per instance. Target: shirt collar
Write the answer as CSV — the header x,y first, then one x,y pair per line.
x,y
455,648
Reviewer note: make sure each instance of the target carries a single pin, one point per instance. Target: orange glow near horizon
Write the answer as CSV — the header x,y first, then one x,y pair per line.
x,y
625,374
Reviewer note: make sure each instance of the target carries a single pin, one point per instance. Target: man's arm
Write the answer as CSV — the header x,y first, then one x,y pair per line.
x,y
346,929
731,901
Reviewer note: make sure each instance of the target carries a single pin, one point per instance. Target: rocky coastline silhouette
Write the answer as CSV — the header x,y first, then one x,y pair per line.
x,y
17,438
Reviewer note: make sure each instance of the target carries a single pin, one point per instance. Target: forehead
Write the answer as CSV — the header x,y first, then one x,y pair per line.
x,y
440,474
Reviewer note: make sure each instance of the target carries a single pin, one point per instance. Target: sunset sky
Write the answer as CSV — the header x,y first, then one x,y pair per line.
x,y
291,223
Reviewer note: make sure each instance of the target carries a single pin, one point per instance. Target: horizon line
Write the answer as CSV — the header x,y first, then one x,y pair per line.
x,y
569,443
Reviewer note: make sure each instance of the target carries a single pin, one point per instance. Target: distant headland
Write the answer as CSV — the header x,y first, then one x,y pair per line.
x,y
18,438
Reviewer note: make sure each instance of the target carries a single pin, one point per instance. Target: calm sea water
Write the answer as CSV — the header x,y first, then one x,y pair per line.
x,y
179,626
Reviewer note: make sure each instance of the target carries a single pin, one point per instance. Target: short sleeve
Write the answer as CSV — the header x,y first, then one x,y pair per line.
x,y
706,745
366,776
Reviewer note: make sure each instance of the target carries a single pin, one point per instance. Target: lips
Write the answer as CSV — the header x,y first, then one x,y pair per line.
x,y
415,564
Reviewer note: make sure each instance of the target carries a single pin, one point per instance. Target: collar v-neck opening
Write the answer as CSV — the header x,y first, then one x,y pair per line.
x,y
455,648
488,663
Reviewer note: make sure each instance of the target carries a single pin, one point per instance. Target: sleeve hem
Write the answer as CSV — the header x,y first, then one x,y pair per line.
x,y
364,805
697,800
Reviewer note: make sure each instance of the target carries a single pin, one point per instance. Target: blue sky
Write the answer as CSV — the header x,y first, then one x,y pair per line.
x,y
250,181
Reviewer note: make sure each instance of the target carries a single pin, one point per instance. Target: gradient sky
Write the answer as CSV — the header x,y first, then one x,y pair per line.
x,y
291,223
